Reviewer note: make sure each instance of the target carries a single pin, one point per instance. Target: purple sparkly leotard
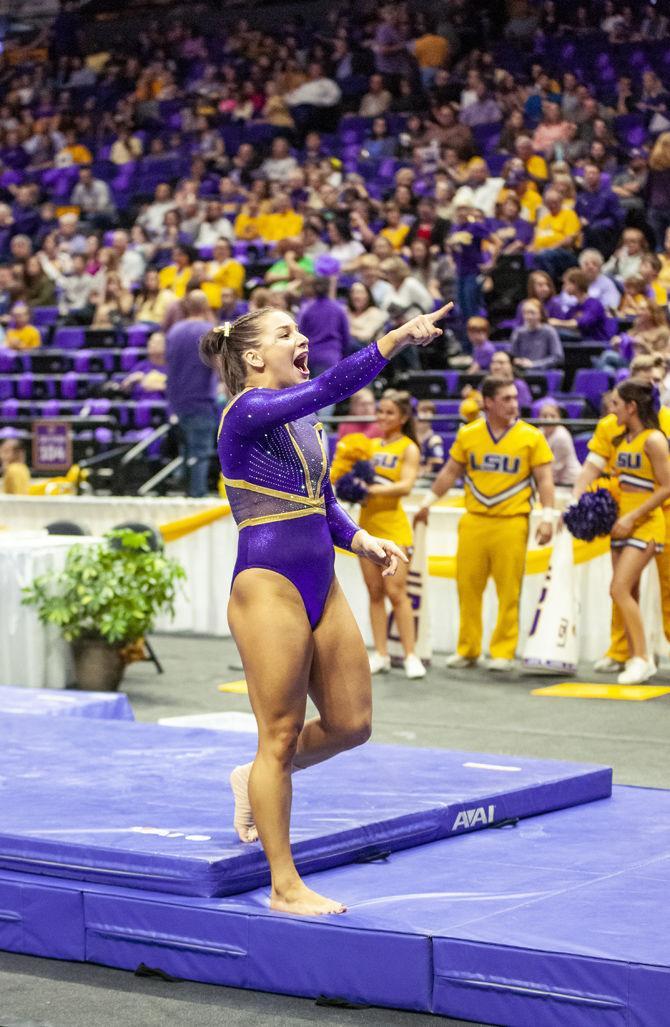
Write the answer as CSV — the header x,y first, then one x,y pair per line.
x,y
275,467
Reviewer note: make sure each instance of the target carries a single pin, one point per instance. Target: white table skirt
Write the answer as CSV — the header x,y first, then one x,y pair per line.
x,y
30,653
208,555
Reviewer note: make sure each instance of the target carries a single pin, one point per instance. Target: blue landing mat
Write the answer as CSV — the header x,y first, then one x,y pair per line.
x,y
51,702
561,921
149,807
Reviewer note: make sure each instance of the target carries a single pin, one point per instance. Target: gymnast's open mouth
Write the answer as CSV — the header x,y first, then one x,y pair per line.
x,y
302,363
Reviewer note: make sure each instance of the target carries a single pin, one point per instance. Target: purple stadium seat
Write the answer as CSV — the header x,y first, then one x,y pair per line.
x,y
581,447
149,413
554,381
43,316
78,386
49,408
104,436
137,335
99,407
30,386
591,384
9,407
573,407
67,337
94,360
9,361
449,407
452,380
130,356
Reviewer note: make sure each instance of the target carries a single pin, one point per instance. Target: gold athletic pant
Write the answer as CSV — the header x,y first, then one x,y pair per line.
x,y
618,649
494,547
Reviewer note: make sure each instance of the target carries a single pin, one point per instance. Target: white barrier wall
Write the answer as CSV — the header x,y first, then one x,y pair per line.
x,y
208,555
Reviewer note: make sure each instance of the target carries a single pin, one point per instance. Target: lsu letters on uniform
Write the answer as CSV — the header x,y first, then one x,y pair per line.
x,y
383,516
602,445
493,532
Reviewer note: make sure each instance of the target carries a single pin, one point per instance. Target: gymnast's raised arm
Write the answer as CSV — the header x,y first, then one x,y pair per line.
x,y
265,353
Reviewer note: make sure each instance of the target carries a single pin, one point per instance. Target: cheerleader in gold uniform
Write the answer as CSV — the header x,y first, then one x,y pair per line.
x,y
642,467
395,458
600,461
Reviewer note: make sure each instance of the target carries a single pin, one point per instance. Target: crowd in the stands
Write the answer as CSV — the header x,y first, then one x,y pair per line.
x,y
353,172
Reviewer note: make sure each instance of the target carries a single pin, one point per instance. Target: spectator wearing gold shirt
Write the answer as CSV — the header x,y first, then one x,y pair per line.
x,y
21,334
15,480
224,270
556,236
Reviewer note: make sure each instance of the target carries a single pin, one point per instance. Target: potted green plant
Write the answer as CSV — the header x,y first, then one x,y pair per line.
x,y
104,602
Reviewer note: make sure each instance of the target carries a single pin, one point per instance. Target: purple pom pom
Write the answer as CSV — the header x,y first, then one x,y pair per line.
x,y
364,470
592,516
350,488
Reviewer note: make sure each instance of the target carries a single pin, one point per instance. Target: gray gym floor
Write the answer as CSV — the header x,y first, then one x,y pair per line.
x,y
466,710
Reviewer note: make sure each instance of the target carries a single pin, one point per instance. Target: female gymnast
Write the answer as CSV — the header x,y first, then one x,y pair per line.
x,y
642,467
395,458
293,627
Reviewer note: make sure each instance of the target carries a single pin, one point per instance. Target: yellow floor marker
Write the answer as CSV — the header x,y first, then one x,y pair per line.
x,y
239,687
588,690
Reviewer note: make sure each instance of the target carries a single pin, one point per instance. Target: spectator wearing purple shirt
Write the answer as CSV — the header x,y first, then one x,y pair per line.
x,y
24,212
599,211
148,378
482,348
12,154
482,111
501,367
535,346
191,391
465,243
390,49
509,233
585,318
325,324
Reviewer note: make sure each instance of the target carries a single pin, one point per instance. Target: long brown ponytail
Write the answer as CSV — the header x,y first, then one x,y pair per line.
x,y
222,348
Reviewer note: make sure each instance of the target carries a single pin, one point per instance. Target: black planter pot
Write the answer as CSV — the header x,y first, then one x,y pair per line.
x,y
98,665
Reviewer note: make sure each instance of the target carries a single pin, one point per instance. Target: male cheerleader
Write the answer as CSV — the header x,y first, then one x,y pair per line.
x,y
501,460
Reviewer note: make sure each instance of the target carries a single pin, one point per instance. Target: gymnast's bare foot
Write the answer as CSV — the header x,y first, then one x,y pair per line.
x,y
300,899
243,820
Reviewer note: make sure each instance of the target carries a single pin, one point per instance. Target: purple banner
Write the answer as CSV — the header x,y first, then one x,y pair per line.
x,y
52,446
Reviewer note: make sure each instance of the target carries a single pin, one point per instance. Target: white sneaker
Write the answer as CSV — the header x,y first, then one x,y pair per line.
x,y
414,668
457,662
379,664
606,665
637,671
497,663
